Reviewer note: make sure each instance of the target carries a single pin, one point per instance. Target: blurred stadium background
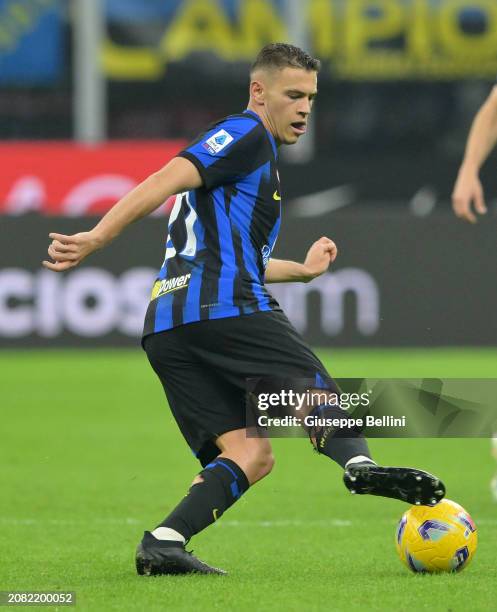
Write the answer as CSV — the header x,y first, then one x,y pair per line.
x,y
97,94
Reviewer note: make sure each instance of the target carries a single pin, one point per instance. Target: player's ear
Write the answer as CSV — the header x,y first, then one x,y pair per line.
x,y
257,91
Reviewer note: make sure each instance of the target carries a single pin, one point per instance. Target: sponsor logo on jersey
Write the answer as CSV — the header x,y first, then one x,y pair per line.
x,y
218,142
169,285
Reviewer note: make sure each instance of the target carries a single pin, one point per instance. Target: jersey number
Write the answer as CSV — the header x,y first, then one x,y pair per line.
x,y
190,247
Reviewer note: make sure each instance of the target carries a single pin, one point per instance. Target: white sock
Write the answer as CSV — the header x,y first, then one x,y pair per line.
x,y
359,459
165,533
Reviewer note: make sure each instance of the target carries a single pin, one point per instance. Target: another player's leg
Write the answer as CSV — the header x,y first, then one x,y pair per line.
x,y
242,462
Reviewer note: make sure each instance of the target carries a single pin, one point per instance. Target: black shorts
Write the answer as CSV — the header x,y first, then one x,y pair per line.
x,y
204,366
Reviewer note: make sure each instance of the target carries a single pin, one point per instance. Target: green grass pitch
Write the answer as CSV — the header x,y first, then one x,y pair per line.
x,y
90,457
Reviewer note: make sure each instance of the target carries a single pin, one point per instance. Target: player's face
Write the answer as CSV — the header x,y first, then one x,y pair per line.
x,y
289,98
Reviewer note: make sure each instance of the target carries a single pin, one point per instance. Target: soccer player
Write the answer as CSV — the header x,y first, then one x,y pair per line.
x,y
468,189
211,322
482,137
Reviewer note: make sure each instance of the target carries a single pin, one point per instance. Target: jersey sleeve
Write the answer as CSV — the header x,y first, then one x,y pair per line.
x,y
226,153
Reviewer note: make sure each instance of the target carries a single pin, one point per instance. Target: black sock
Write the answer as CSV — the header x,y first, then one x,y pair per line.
x,y
223,484
339,444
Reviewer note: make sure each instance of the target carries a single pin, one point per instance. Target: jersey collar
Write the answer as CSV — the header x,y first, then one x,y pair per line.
x,y
271,137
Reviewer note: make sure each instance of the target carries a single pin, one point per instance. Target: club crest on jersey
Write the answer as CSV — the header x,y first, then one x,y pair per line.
x,y
169,285
218,142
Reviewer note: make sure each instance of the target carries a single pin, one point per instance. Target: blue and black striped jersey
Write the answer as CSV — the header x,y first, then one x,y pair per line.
x,y
221,235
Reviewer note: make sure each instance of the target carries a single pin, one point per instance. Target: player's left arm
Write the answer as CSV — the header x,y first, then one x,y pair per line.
x,y
319,258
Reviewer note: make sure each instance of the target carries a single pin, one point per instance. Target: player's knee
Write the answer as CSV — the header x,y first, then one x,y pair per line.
x,y
257,464
262,464
253,455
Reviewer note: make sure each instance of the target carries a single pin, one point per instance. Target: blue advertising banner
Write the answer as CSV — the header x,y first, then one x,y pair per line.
x,y
137,10
30,41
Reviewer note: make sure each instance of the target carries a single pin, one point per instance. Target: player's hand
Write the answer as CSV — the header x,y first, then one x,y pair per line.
x,y
69,251
319,257
468,190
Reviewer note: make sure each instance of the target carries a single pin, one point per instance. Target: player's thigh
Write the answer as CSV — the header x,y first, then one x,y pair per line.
x,y
261,345
203,404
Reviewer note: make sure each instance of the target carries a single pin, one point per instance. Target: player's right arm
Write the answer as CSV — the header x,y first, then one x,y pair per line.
x,y
481,140
177,176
